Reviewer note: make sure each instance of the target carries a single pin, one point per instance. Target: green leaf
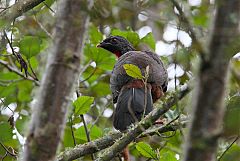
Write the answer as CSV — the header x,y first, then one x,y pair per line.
x,y
68,138
95,35
95,132
24,91
130,35
133,71
6,131
82,104
30,46
117,32
103,58
167,155
232,117
146,150
232,154
133,38
149,40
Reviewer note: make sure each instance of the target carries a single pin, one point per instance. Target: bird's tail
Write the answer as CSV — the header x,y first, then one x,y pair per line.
x,y
132,103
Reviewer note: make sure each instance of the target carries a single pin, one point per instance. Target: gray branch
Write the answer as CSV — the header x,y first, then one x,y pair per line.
x,y
208,108
106,141
16,10
49,113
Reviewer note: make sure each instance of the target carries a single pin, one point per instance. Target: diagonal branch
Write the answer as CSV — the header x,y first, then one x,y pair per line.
x,y
106,141
16,10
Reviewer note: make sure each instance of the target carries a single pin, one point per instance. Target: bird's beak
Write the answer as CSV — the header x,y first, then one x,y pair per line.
x,y
98,45
104,45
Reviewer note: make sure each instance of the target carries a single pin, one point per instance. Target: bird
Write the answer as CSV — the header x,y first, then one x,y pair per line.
x,y
134,98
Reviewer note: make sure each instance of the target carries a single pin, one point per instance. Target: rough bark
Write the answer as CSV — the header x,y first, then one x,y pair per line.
x,y
208,108
17,10
56,89
106,141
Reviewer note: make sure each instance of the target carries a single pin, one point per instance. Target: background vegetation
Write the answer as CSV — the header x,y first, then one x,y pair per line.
x,y
179,32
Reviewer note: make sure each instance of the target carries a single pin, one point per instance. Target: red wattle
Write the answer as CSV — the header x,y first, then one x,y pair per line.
x,y
117,53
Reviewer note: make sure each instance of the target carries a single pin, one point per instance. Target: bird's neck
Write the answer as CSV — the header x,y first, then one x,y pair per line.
x,y
124,50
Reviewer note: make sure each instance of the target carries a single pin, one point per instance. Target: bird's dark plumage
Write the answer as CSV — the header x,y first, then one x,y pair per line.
x,y
129,93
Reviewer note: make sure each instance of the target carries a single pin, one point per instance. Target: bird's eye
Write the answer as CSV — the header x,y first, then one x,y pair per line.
x,y
114,40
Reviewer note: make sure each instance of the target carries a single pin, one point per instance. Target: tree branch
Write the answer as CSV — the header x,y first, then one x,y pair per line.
x,y
11,69
106,141
208,108
49,114
16,10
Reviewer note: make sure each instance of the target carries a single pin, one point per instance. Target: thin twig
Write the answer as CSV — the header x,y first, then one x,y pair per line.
x,y
182,18
42,27
10,44
48,7
89,75
11,69
228,148
7,107
85,126
6,149
101,113
34,74
71,126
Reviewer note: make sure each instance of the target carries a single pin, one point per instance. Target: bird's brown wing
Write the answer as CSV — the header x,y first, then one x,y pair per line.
x,y
157,72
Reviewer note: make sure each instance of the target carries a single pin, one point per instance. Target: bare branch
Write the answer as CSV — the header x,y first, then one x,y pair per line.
x,y
106,141
16,10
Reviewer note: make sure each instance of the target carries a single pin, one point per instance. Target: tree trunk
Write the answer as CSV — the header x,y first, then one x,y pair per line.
x,y
208,108
49,113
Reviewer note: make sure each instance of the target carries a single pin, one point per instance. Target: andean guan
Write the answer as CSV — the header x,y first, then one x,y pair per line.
x,y
129,93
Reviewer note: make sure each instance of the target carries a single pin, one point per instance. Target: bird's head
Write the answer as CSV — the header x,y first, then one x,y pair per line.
x,y
117,45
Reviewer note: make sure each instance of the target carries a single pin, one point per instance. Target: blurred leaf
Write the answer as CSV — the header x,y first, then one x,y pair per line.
x,y
149,40
103,58
133,38
117,32
82,104
146,150
95,132
30,46
130,35
95,35
200,16
67,138
201,20
167,155
133,71
24,91
6,131
232,117
101,89
34,62
232,154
